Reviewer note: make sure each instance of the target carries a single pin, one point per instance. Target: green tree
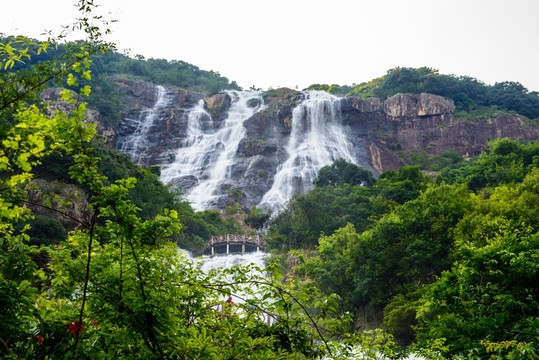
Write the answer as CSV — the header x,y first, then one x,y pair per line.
x,y
342,172
488,297
257,219
401,186
469,94
320,212
506,162
117,286
390,262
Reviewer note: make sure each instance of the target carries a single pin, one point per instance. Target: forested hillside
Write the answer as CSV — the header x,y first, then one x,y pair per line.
x,y
439,258
452,257
105,96
116,285
150,195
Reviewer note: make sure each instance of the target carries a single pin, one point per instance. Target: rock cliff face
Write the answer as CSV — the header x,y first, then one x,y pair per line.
x,y
412,123
56,191
165,133
376,130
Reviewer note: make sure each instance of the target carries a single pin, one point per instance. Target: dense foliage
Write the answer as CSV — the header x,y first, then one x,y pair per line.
x,y
342,172
336,201
148,194
105,97
115,286
451,262
449,265
166,72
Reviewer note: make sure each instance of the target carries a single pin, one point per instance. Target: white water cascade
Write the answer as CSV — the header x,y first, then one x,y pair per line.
x,y
137,144
199,156
257,258
317,139
208,155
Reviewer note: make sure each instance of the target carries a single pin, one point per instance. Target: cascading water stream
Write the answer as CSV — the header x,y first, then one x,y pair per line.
x,y
226,261
195,154
208,154
317,139
204,162
137,144
208,151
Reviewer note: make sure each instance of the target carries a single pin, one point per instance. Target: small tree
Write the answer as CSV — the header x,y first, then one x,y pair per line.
x,y
342,172
117,288
257,219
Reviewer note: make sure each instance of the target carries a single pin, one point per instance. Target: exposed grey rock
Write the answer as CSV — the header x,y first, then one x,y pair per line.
x,y
252,103
404,122
59,193
400,105
361,105
185,183
168,131
430,104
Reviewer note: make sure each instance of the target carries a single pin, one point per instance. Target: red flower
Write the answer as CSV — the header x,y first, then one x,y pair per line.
x,y
75,327
95,323
40,339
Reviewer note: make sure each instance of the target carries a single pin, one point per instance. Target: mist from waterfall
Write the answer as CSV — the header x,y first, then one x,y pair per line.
x,y
208,152
317,139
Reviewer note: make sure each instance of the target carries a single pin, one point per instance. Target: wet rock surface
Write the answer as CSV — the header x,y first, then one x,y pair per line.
x,y
377,129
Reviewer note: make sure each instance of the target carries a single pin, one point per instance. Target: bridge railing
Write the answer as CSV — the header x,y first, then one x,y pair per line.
x,y
235,239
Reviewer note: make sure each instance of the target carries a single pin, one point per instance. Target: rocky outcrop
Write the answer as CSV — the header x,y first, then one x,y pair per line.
x,y
412,105
217,105
429,105
138,93
167,132
379,131
53,98
67,199
425,122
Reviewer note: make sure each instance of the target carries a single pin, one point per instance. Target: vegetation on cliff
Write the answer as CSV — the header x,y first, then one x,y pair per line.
x,y
451,259
448,264
470,95
116,287
105,97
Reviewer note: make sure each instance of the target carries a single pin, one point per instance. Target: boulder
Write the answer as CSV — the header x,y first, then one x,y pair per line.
x,y
184,183
412,105
400,105
253,103
366,105
217,104
429,105
65,198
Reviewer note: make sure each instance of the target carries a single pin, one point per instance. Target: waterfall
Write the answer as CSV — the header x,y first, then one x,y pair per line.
x,y
137,144
218,263
192,159
317,139
205,161
226,261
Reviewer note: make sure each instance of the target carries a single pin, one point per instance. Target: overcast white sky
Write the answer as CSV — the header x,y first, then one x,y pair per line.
x,y
300,42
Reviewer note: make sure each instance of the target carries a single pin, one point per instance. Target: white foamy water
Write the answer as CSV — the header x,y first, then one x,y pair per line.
x,y
137,144
246,292
202,165
226,261
317,139
208,153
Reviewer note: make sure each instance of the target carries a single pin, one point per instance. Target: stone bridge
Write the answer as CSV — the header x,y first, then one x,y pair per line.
x,y
234,244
